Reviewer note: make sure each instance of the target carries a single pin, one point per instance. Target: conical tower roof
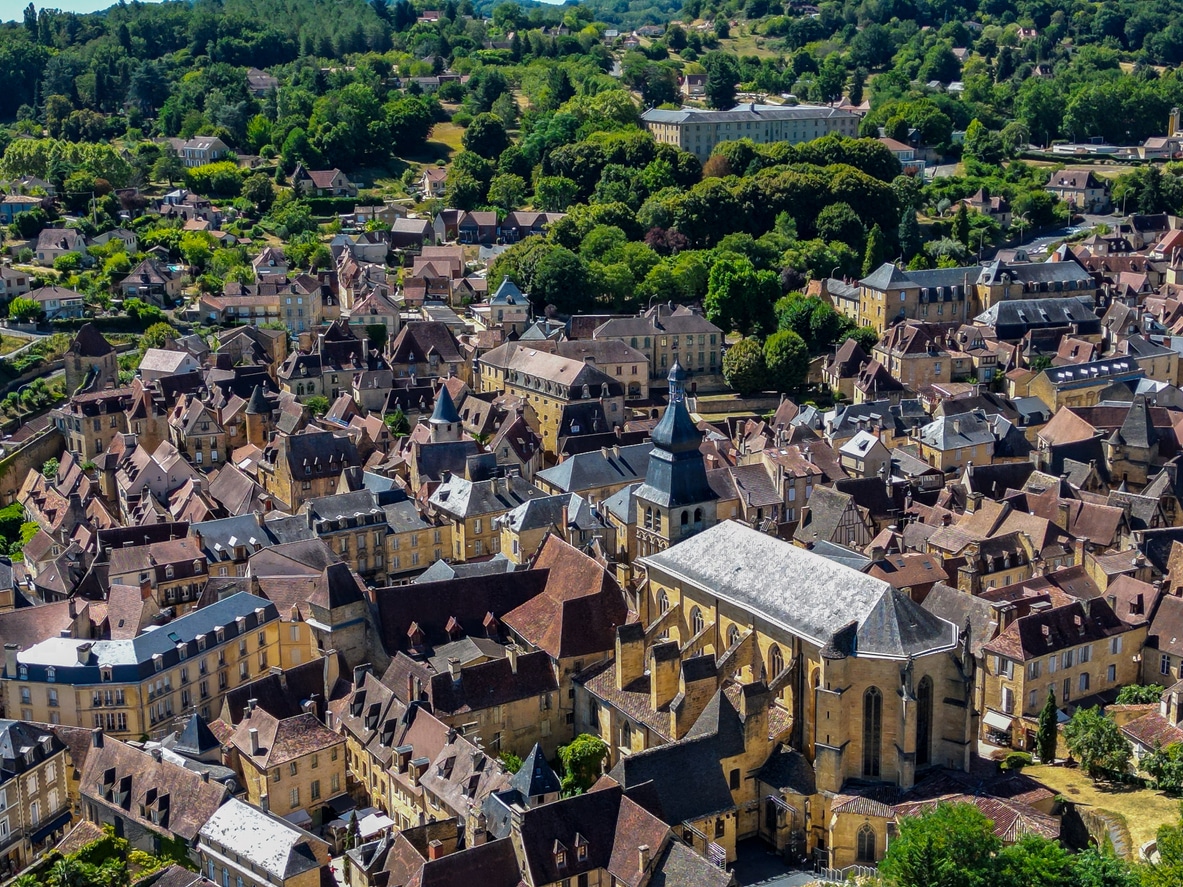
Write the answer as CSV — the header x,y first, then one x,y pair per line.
x,y
536,776
445,409
258,403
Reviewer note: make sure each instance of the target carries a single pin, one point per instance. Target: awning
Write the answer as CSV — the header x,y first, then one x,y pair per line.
x,y
299,818
50,827
341,804
999,722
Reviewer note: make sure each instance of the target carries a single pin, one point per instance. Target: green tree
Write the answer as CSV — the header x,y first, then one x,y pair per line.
x,y
50,469
1165,767
157,335
961,225
259,190
582,759
554,194
317,405
1095,868
1168,870
24,310
866,336
486,136
722,79
840,222
744,368
951,846
1139,694
1033,861
786,360
168,168
876,252
397,423
511,762
1045,736
910,242
507,191
1096,741
739,297
981,144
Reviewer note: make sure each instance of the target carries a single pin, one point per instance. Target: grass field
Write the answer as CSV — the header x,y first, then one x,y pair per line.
x,y
9,344
1143,810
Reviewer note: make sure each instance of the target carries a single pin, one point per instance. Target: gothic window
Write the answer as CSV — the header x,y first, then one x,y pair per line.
x,y
696,622
924,721
685,518
866,844
663,602
698,515
872,731
776,662
732,636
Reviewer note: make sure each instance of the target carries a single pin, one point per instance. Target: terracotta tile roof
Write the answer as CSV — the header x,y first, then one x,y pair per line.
x,y
1152,730
281,741
632,701
579,609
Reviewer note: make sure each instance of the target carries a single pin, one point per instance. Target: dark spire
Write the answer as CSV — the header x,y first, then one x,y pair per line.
x,y
445,409
535,778
258,405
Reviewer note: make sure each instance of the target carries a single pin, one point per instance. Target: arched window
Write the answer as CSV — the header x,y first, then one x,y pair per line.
x,y
872,730
924,721
663,602
685,518
648,518
696,622
866,844
776,662
732,636
698,515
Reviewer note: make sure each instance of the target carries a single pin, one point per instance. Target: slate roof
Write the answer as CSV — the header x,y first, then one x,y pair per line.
x,y
461,498
588,471
1059,628
810,596
89,342
535,777
261,840
699,753
133,780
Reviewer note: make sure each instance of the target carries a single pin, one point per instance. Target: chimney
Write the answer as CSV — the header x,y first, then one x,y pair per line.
x,y
664,669
359,674
511,653
643,858
157,754
973,502
630,653
73,608
254,734
205,776
84,654
10,663
454,668
96,737
265,803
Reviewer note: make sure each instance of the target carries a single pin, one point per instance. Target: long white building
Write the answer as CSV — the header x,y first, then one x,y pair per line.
x,y
698,131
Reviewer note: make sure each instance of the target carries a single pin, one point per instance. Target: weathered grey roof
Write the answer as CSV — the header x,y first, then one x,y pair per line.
x,y
587,471
1040,312
744,113
461,497
954,432
802,592
268,842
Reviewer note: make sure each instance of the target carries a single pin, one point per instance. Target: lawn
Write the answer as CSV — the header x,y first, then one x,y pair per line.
x,y
1143,810
9,344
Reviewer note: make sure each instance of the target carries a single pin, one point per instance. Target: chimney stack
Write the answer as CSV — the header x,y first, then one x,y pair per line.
x,y
435,850
454,668
254,734
643,858
511,653
96,737
265,802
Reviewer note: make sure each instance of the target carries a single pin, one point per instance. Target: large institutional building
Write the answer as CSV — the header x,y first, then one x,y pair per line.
x,y
698,131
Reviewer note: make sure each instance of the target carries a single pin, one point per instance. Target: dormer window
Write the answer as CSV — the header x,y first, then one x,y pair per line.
x,y
24,672
169,572
51,674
